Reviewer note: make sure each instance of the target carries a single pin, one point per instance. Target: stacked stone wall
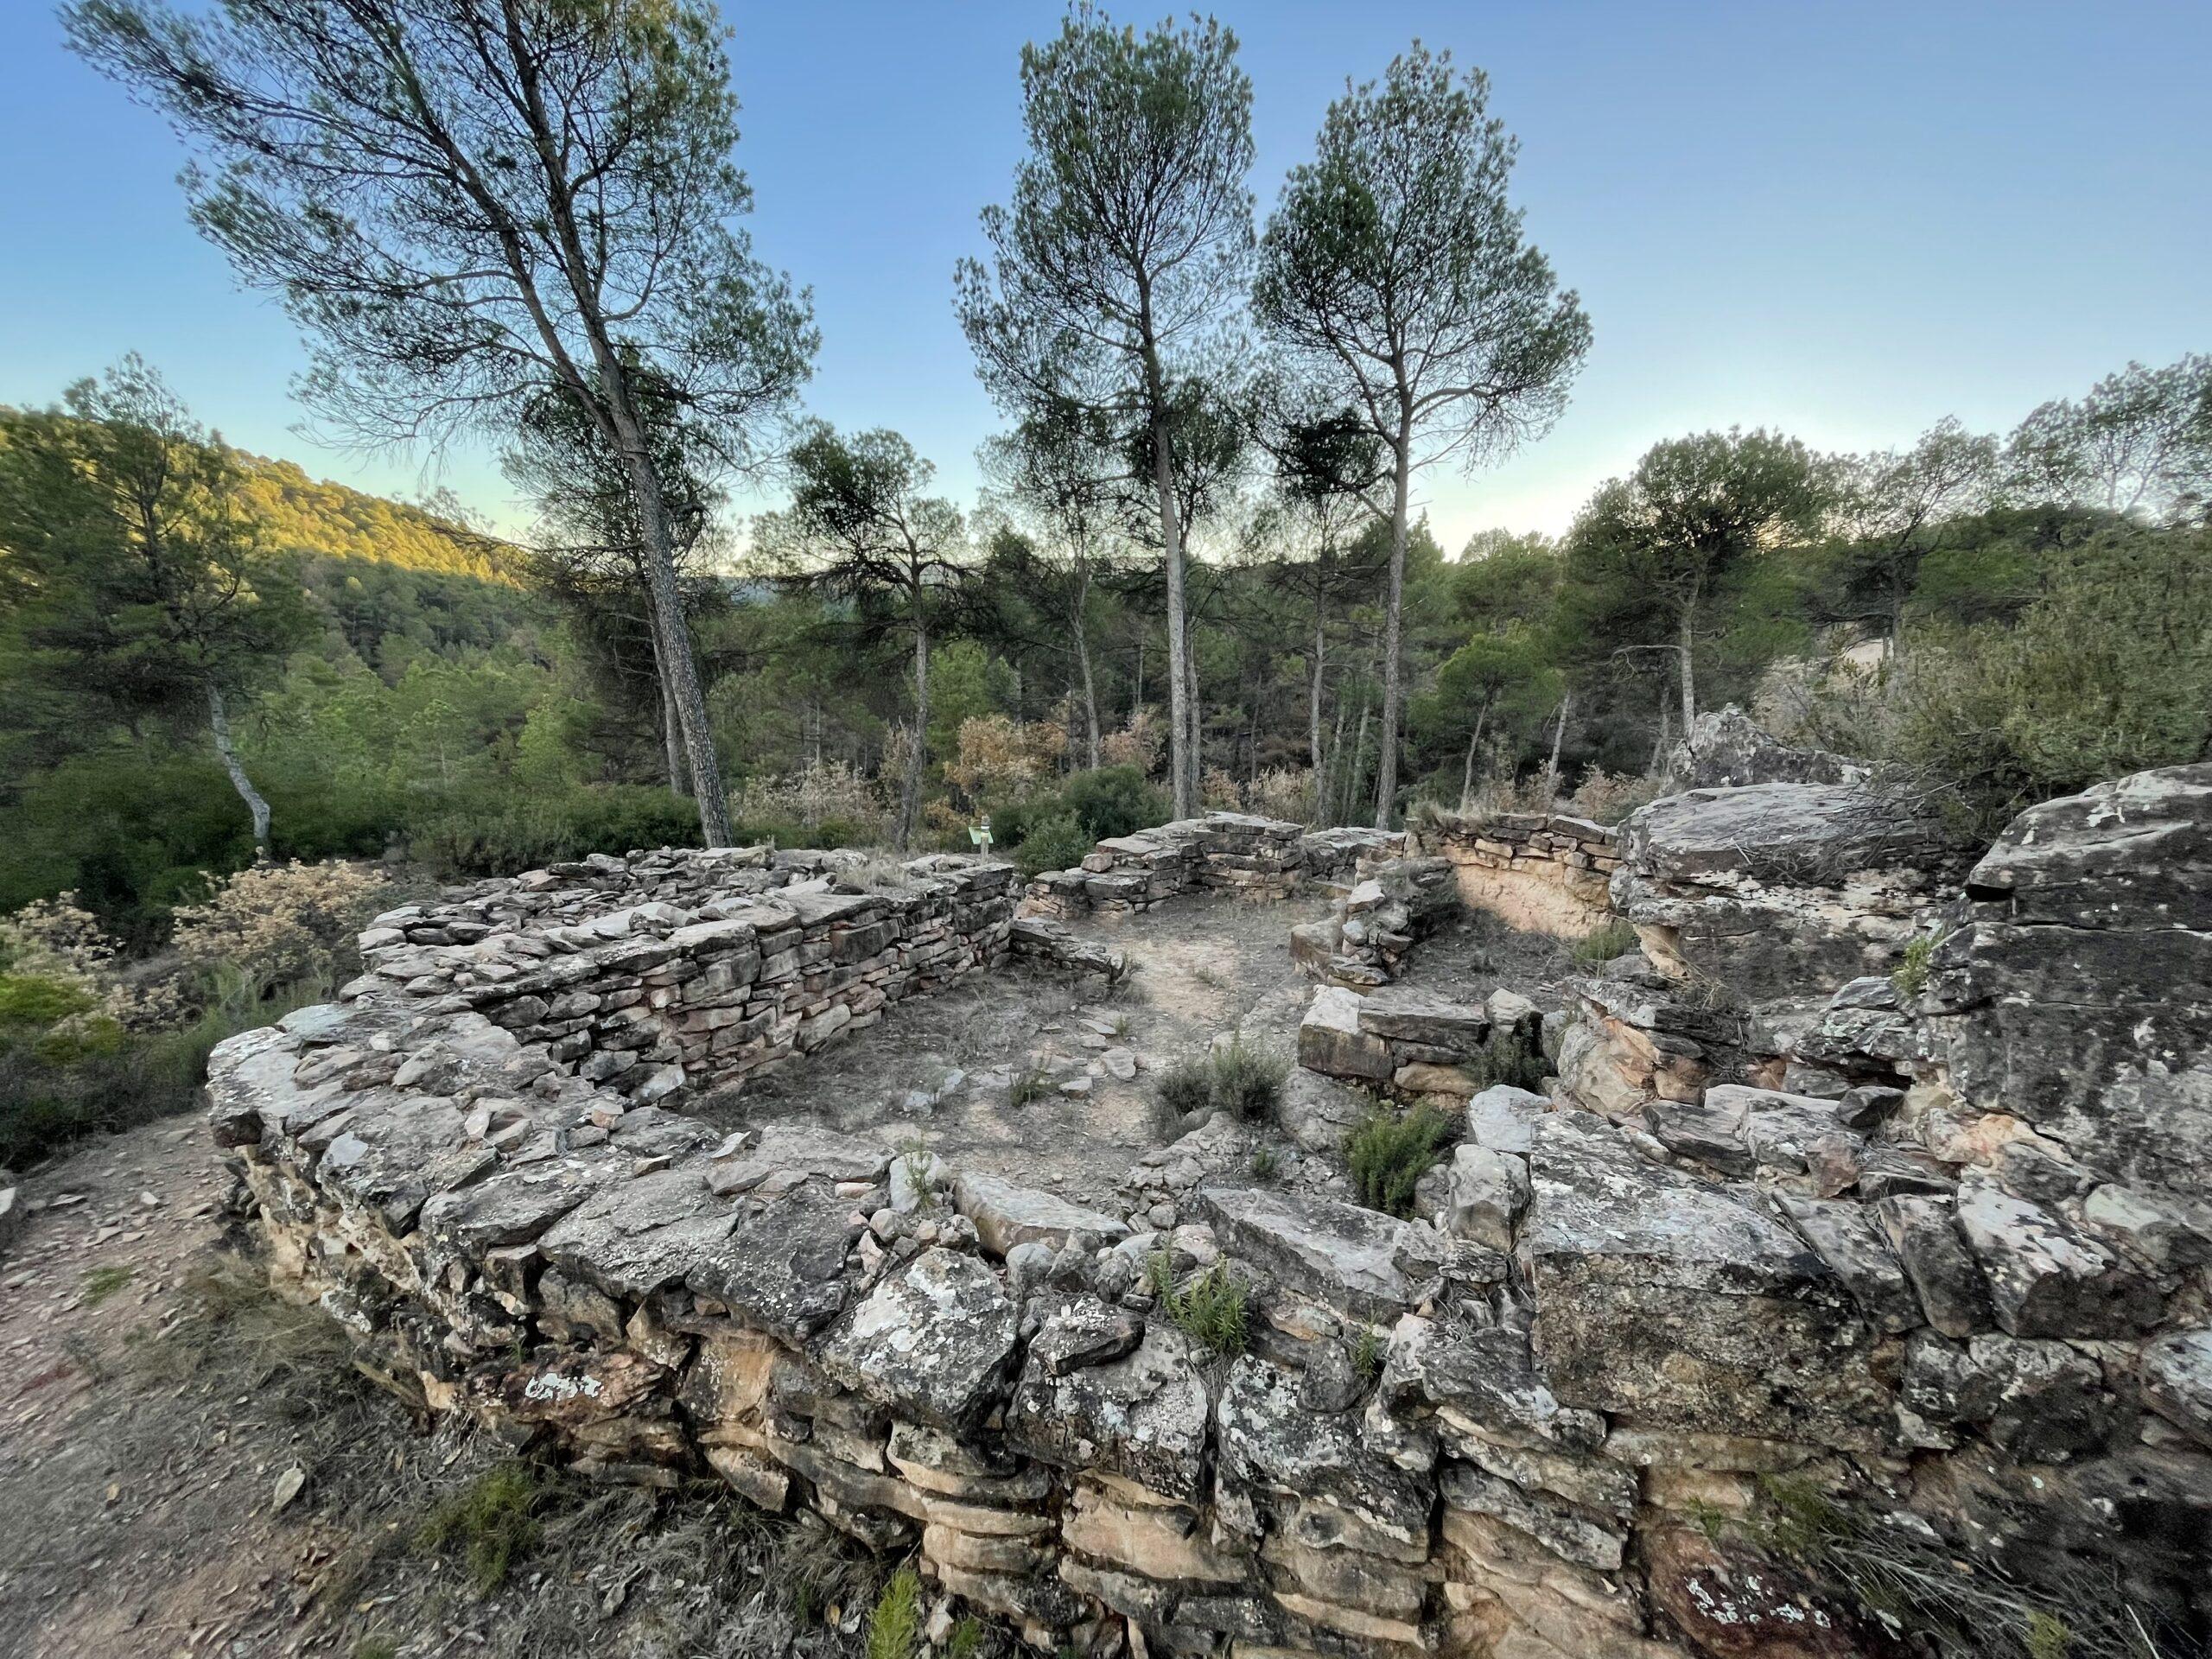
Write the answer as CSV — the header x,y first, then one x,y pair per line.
x,y
1543,872
673,968
1232,852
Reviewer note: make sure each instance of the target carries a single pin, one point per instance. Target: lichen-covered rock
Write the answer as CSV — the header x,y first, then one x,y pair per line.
x,y
1006,1215
1676,1302
2177,1370
1273,1444
1774,889
933,1342
1357,1260
1143,1417
1725,749
2077,993
783,1264
2047,1280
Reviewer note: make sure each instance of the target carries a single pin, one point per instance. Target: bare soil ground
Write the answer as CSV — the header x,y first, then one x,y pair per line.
x,y
188,1466
1199,964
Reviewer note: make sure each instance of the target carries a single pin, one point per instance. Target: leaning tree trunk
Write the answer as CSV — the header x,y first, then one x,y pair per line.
x,y
1558,735
1474,741
681,670
672,733
1386,763
1687,648
218,721
910,794
1090,688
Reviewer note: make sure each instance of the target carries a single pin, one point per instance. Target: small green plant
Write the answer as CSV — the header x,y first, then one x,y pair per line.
x,y
2047,1638
917,1161
894,1626
1209,1308
966,1640
1615,938
1390,1150
1912,973
1033,1081
492,1521
1266,1163
1367,1353
103,1283
1245,1082
376,1647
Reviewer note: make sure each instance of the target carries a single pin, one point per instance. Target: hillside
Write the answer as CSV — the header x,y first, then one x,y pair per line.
x,y
312,517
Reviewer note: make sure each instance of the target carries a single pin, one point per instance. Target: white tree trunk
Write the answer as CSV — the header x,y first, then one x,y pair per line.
x,y
218,721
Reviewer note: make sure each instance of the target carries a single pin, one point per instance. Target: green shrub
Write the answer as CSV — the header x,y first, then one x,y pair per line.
x,y
1209,1309
1114,801
1910,976
1615,938
1246,1083
1031,1083
895,1625
1058,842
492,1522
1390,1150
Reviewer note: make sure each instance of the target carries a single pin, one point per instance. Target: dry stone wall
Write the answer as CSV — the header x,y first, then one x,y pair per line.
x,y
1957,1277
1544,872
648,975
1223,851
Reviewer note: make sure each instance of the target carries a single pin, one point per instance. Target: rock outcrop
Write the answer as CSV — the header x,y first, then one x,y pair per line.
x,y
1774,889
1726,750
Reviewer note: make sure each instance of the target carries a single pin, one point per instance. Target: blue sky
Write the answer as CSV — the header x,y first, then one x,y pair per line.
x,y
1846,220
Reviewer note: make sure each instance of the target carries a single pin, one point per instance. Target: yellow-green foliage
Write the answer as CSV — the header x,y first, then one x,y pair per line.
x,y
491,1523
894,1628
1209,1309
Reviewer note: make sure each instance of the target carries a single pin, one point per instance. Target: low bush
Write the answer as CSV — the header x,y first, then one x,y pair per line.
x,y
1209,1308
1246,1083
1058,842
1615,938
1390,1150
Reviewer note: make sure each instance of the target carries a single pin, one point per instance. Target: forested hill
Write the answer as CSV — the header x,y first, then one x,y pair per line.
x,y
314,518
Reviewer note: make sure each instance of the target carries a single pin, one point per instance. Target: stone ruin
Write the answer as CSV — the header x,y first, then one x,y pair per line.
x,y
1937,1248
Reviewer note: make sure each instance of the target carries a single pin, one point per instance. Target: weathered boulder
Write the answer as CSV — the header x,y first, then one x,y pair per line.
x,y
1143,1417
2047,1280
1357,1260
1677,1302
1272,1443
1006,1215
2076,994
2177,1375
1774,889
1725,749
932,1344
783,1266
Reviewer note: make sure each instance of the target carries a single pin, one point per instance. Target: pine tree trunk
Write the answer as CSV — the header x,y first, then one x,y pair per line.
x,y
1194,752
218,721
1180,677
1358,762
910,796
671,734
1559,733
1329,811
1467,772
675,637
1089,690
1386,766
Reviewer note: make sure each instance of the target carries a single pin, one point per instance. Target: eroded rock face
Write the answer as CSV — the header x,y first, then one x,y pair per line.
x,y
1774,889
1726,750
1673,1302
2075,992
